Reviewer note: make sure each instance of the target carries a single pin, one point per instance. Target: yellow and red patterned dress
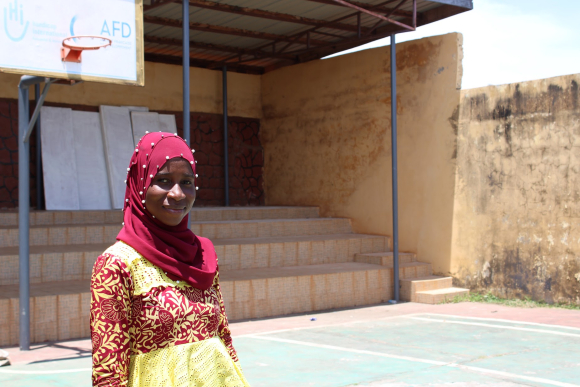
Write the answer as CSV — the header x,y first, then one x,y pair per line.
x,y
149,330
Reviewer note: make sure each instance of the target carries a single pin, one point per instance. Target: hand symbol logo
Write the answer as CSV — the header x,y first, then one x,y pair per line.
x,y
16,17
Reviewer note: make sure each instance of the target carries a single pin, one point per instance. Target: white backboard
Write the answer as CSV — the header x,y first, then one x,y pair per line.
x,y
32,31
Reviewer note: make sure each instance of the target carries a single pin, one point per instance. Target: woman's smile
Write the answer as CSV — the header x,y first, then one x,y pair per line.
x,y
172,192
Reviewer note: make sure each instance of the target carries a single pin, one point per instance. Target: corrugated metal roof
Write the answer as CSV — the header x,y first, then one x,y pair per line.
x,y
249,40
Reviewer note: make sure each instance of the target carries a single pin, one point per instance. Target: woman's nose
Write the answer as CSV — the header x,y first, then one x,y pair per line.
x,y
176,193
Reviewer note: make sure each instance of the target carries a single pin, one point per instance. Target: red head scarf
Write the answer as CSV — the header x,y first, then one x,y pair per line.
x,y
175,249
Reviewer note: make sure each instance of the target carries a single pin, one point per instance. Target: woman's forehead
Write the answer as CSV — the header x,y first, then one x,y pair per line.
x,y
176,164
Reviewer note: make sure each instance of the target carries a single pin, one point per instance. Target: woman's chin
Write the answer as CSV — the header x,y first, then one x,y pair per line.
x,y
172,217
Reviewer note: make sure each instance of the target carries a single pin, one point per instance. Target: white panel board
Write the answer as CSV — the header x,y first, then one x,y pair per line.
x,y
118,143
167,123
58,159
137,108
33,32
93,183
142,123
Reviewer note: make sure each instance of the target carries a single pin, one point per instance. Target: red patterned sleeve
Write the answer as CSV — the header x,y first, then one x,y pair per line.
x,y
224,329
111,289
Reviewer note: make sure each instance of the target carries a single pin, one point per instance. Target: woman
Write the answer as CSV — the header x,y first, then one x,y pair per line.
x,y
157,314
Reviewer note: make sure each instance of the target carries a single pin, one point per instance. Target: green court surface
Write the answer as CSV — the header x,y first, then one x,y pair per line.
x,y
420,349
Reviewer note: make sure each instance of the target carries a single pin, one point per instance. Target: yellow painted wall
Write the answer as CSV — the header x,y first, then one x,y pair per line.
x,y
326,135
162,91
516,226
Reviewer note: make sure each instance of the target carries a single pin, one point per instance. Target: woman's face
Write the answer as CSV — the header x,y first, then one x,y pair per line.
x,y
172,192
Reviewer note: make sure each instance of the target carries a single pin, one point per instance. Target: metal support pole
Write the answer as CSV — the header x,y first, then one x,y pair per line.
x,y
394,167
25,127
39,182
186,118
24,208
225,105
23,218
185,65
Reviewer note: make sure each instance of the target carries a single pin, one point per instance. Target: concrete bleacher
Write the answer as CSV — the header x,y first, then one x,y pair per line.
x,y
273,261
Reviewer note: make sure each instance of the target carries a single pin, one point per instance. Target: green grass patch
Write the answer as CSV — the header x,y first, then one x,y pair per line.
x,y
518,303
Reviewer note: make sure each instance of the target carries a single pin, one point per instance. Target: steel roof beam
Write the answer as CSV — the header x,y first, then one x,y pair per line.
x,y
156,3
260,13
381,9
374,14
176,59
217,47
229,30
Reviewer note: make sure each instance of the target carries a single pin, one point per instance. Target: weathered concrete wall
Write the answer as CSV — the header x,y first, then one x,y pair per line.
x,y
326,136
517,204
162,91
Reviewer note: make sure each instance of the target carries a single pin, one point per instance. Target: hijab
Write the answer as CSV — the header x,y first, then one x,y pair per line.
x,y
174,249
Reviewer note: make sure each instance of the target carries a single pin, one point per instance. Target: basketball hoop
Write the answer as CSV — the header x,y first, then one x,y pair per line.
x,y
73,46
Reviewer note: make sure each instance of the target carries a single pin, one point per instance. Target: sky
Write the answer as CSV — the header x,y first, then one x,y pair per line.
x,y
508,41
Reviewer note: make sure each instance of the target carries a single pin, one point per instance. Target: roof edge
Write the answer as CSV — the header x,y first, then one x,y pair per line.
x,y
467,4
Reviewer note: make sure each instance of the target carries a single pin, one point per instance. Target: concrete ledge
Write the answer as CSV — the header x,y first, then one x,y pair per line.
x,y
410,286
47,218
440,295
60,310
75,234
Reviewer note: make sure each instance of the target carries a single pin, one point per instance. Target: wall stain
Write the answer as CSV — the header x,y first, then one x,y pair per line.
x,y
519,210
421,56
574,92
454,121
552,100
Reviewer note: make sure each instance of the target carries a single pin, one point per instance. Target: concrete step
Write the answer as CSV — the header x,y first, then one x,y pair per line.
x,y
60,310
439,295
271,228
384,258
75,262
269,292
51,263
408,265
429,289
78,234
409,270
49,218
63,234
245,253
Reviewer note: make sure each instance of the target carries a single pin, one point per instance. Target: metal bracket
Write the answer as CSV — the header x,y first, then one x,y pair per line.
x,y
39,104
48,82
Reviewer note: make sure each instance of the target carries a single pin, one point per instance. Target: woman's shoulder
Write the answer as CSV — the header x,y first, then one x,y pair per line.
x,y
204,241
122,251
206,245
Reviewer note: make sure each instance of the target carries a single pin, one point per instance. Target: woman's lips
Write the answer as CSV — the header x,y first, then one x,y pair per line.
x,y
174,210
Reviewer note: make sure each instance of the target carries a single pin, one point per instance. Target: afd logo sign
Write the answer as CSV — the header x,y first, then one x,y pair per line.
x,y
14,22
17,25
116,29
110,28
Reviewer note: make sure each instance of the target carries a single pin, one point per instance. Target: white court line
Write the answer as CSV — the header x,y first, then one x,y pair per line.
x,y
3,371
498,320
425,361
327,325
495,326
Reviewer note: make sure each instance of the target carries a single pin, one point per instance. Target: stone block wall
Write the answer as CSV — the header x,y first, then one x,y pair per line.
x,y
9,156
517,199
246,156
245,159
